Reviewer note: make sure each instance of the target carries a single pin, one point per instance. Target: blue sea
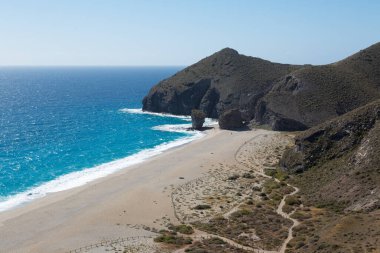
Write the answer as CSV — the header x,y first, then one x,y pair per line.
x,y
61,127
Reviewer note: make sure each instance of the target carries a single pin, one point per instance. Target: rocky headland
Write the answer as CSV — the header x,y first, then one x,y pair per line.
x,y
285,97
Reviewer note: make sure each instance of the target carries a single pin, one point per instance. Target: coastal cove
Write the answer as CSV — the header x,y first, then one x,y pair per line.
x,y
190,126
119,205
128,172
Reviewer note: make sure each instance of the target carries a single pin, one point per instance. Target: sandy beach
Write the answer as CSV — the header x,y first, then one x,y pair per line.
x,y
135,200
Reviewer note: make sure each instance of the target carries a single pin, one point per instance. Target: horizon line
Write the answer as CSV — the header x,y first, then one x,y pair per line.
x,y
88,66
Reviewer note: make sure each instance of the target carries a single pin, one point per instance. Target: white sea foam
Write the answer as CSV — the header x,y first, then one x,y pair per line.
x,y
82,177
79,178
208,121
182,128
140,111
179,128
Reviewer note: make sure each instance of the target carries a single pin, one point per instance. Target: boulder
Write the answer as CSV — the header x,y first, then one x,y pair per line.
x,y
231,119
197,119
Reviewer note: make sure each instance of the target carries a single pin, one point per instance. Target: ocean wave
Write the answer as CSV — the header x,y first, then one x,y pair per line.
x,y
177,128
79,178
208,121
82,177
183,128
140,111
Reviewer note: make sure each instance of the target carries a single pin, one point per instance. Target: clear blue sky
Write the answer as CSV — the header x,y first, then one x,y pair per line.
x,y
180,32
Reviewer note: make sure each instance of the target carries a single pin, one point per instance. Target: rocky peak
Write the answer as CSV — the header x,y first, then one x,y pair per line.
x,y
227,52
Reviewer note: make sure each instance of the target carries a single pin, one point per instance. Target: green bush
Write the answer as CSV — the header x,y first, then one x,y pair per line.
x,y
170,238
292,201
202,207
216,240
183,229
233,177
248,175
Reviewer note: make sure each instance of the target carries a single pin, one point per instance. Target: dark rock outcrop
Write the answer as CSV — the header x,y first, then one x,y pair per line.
x,y
197,119
231,119
338,162
286,97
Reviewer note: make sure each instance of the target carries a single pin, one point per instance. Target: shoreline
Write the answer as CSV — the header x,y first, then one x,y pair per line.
x,y
156,151
32,208
87,175
122,204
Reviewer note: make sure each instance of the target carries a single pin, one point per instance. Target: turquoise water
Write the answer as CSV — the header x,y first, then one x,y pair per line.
x,y
63,127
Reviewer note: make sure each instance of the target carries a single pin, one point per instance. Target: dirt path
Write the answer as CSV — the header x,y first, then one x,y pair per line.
x,y
287,216
282,203
258,171
199,235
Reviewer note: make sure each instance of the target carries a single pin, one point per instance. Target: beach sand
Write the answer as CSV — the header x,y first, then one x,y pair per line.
x,y
132,201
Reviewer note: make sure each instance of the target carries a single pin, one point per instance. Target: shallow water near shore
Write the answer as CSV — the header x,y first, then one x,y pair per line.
x,y
63,127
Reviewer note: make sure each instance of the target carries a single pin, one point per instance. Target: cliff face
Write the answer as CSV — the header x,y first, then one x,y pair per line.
x,y
287,97
338,163
224,80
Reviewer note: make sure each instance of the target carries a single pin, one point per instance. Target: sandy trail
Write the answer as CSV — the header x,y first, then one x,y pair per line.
x,y
287,216
260,171
254,151
200,235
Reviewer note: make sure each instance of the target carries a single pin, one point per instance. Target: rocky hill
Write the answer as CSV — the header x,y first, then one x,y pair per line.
x,y
314,94
224,80
336,166
286,97
337,163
